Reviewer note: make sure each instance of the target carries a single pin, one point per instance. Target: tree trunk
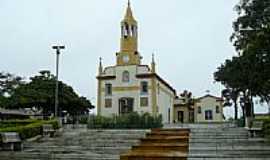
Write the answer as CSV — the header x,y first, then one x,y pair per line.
x,y
244,115
235,110
248,107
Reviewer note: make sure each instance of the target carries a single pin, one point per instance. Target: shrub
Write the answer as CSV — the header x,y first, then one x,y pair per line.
x,y
266,128
14,123
30,130
240,122
83,119
126,121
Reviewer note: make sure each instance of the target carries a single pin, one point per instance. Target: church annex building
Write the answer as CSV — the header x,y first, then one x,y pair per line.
x,y
130,86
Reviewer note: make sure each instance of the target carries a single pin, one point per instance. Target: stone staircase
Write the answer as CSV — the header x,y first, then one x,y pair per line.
x,y
161,144
199,142
79,144
226,143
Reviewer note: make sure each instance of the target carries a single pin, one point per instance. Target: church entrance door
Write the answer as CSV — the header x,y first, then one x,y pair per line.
x,y
180,116
126,105
191,116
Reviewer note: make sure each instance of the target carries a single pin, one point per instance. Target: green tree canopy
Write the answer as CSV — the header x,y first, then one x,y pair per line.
x,y
40,91
248,74
252,41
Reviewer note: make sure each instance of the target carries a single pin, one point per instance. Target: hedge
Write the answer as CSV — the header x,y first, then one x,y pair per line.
x,y
126,121
266,128
15,123
30,130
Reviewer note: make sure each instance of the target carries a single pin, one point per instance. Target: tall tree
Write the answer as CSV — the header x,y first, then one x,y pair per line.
x,y
231,96
249,73
251,39
39,93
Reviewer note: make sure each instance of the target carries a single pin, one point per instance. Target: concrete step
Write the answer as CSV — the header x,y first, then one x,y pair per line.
x,y
120,137
226,158
229,152
162,147
118,131
161,144
235,147
150,155
218,137
218,132
232,155
89,144
221,133
100,150
170,130
50,156
177,139
226,144
168,133
81,144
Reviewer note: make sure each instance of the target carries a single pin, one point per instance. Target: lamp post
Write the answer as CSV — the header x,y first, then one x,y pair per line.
x,y
57,48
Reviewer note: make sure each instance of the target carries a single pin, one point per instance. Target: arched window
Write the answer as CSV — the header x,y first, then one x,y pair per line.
x,y
125,76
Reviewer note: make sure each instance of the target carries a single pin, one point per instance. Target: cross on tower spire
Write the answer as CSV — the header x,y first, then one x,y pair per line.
x,y
100,69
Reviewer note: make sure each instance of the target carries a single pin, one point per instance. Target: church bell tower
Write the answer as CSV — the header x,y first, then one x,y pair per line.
x,y
129,54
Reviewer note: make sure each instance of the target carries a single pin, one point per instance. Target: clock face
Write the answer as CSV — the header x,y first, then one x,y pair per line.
x,y
126,59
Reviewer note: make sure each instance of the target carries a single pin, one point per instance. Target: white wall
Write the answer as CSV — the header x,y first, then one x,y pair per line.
x,y
208,103
165,97
116,95
165,101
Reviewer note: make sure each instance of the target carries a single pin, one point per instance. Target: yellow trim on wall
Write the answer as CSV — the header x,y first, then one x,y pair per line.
x,y
123,89
127,88
99,98
154,96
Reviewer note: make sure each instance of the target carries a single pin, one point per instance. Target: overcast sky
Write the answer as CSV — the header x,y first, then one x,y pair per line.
x,y
190,39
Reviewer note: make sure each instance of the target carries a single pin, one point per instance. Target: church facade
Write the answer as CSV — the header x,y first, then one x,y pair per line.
x,y
130,86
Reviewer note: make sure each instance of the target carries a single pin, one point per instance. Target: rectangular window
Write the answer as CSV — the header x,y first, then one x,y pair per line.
x,y
208,115
108,103
144,101
199,110
217,109
108,89
144,87
158,88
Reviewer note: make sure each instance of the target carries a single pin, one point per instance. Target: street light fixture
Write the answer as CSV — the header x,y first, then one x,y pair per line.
x,y
57,48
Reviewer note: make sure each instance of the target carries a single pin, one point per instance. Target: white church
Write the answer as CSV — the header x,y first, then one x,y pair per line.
x,y
130,86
